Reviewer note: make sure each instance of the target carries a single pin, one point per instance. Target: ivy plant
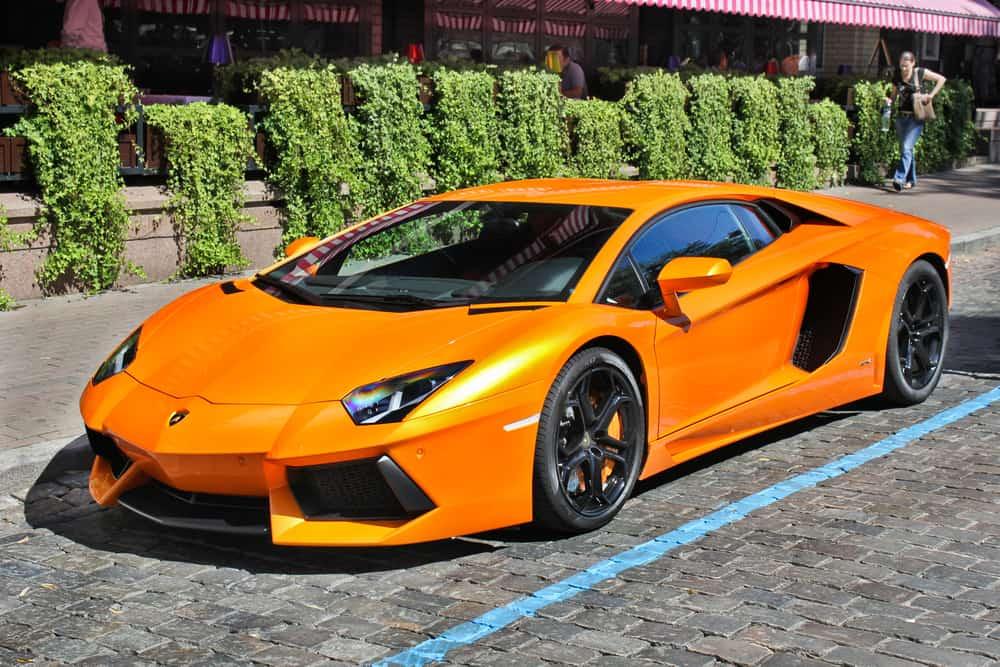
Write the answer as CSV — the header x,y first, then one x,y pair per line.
x,y
463,129
873,148
316,149
709,147
394,151
596,143
656,125
532,130
833,148
796,166
756,142
72,134
207,147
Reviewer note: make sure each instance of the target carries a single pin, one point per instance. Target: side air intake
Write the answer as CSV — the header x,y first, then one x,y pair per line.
x,y
833,295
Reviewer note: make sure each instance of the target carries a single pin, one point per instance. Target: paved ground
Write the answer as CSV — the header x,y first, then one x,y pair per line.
x,y
964,200
897,562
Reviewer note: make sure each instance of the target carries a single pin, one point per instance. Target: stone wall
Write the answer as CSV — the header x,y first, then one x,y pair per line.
x,y
152,240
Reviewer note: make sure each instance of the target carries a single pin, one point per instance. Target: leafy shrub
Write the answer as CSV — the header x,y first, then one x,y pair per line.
x,y
393,148
710,152
830,141
207,148
796,160
235,82
532,134
315,146
958,116
933,151
463,130
596,143
873,148
72,134
756,144
656,125
8,241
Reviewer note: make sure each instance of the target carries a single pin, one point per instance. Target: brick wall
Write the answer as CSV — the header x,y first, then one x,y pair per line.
x,y
848,45
376,28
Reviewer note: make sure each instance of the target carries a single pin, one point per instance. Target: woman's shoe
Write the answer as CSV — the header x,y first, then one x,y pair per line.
x,y
897,186
908,186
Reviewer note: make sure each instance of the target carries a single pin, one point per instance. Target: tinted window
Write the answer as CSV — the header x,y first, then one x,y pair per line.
x,y
700,231
756,228
623,288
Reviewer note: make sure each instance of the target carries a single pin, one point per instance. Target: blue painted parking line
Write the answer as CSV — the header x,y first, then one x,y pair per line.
x,y
433,650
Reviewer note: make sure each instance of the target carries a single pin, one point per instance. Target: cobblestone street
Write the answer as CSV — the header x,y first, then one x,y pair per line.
x,y
896,562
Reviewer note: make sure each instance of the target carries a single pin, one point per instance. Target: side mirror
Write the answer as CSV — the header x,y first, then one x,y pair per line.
x,y
300,245
685,274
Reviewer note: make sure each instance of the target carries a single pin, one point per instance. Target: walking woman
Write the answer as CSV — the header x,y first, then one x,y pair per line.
x,y
907,88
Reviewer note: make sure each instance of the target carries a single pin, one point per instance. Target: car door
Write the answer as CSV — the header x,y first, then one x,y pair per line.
x,y
737,338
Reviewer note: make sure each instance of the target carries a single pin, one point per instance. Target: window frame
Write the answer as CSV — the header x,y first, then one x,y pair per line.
x,y
625,254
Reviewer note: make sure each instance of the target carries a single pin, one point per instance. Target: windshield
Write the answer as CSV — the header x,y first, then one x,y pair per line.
x,y
451,253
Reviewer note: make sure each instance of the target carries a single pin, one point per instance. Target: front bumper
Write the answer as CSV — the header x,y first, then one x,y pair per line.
x,y
307,475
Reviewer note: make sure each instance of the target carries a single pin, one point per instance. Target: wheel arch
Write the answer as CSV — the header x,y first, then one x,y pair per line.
x,y
633,360
939,265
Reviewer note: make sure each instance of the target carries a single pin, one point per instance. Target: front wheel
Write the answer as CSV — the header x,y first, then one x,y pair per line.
x,y
591,443
917,336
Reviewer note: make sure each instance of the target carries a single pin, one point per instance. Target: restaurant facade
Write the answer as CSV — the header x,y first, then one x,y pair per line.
x,y
168,41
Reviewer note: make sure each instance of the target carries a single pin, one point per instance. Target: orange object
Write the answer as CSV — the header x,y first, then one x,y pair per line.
x,y
234,411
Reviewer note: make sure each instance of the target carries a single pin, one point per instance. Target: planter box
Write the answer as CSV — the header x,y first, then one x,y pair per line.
x,y
5,155
8,95
260,149
347,97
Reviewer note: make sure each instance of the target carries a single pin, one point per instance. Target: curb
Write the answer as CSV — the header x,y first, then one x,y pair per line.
x,y
968,243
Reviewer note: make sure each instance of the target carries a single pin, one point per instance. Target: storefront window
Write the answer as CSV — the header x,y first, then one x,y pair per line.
x,y
170,47
458,35
513,41
257,28
330,29
610,46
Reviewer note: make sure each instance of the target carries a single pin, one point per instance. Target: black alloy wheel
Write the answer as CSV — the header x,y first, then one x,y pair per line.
x,y
591,443
917,337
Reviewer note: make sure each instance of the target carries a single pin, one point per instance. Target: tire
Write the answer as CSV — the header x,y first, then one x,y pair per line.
x,y
588,457
918,336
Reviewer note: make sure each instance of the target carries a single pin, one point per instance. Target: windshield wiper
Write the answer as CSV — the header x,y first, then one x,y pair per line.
x,y
294,290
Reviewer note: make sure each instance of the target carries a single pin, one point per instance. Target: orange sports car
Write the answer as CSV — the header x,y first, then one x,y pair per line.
x,y
511,353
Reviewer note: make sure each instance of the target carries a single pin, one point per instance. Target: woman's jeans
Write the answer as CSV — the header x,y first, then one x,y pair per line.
x,y
908,130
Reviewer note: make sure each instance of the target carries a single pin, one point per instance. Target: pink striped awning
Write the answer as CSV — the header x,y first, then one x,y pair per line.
x,y
566,6
449,21
175,6
951,17
319,13
565,29
610,32
517,26
258,11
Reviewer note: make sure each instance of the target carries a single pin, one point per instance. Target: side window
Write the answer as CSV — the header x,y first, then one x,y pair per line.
x,y
756,228
623,288
701,231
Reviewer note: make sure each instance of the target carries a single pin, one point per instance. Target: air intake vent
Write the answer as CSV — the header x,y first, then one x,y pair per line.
x,y
833,293
364,489
106,448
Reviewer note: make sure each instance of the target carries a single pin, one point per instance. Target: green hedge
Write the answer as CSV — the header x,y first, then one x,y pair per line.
x,y
796,168
830,128
596,144
533,140
873,148
656,125
463,130
394,150
207,148
710,143
756,142
315,149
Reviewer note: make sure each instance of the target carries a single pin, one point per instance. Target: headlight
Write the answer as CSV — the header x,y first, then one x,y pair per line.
x,y
119,359
391,400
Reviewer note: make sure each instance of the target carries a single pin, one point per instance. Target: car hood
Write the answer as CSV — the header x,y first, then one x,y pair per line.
x,y
253,348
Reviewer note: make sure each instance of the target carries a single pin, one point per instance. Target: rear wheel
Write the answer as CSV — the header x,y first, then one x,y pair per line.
x,y
917,336
591,443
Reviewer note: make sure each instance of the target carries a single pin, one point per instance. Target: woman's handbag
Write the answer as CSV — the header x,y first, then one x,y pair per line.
x,y
923,104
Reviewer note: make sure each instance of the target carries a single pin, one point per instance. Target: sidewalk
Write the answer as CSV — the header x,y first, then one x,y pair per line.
x,y
967,201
